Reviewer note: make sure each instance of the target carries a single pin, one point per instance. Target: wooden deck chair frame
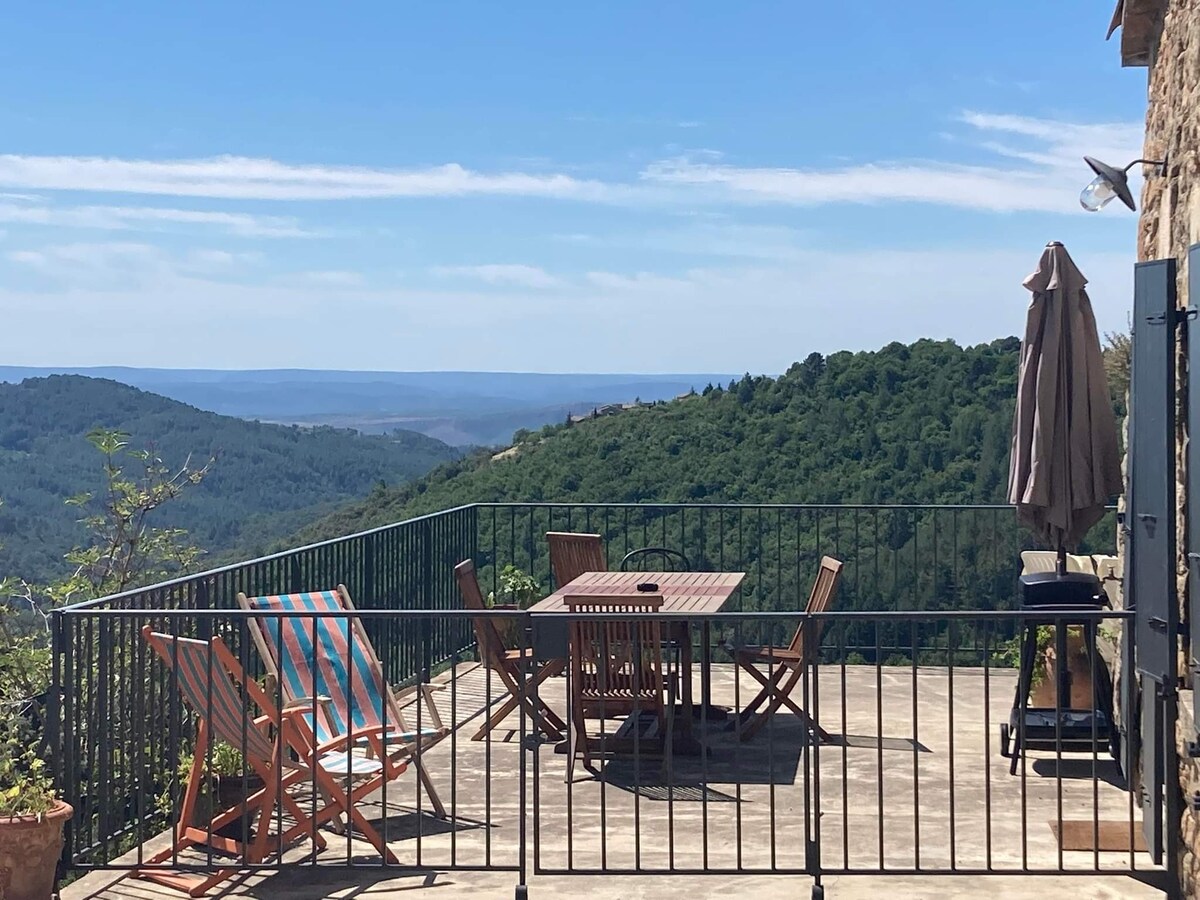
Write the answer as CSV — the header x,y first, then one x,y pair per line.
x,y
517,670
400,749
572,554
619,661
786,665
277,745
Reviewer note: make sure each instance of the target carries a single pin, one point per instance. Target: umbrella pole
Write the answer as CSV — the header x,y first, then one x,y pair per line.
x,y
1061,563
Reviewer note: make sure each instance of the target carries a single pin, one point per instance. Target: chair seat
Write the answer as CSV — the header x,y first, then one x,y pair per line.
x,y
767,654
591,693
341,763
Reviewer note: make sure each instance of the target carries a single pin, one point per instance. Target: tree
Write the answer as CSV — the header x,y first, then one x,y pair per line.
x,y
124,549
1118,356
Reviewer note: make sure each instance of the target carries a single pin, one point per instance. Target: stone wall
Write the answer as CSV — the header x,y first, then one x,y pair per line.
x,y
1169,224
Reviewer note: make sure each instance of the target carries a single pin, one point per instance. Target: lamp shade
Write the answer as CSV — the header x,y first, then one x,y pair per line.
x,y
1117,179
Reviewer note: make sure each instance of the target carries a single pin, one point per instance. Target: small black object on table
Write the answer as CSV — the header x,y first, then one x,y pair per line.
x,y
1056,595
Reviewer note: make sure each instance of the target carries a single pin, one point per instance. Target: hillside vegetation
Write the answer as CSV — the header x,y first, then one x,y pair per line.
x,y
923,423
268,479
926,423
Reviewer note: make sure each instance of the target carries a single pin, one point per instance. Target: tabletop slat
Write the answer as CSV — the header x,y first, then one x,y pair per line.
x,y
682,592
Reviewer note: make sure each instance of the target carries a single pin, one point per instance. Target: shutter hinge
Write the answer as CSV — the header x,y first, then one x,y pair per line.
x,y
1160,624
1175,316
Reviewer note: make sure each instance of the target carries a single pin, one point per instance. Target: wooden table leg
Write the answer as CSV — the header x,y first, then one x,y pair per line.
x,y
683,728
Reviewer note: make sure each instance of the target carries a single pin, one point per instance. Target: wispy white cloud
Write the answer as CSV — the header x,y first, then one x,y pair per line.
x,y
640,282
714,316
511,274
329,278
207,260
145,218
1042,175
88,265
246,178
1002,163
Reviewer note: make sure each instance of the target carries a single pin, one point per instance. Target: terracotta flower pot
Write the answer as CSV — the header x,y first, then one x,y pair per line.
x,y
231,791
1045,693
29,850
509,629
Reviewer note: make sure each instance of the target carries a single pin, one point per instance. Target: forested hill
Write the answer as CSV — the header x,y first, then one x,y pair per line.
x,y
267,482
923,423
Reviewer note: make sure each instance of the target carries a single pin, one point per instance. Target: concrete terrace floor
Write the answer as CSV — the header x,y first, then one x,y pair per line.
x,y
929,795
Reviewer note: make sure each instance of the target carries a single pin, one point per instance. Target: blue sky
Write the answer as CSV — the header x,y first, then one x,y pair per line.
x,y
543,187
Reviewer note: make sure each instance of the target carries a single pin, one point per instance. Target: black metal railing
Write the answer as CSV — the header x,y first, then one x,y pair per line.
x,y
128,747
108,695
882,769
870,768
896,558
907,557
923,588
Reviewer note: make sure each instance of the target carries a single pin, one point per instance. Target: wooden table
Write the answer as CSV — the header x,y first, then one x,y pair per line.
x,y
689,593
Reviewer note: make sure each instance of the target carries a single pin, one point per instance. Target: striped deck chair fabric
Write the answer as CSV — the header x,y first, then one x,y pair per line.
x,y
329,657
279,750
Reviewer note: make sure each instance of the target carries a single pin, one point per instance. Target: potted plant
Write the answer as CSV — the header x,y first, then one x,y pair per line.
x,y
31,821
227,783
517,591
1043,691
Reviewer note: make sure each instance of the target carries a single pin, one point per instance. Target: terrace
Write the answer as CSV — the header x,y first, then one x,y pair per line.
x,y
907,681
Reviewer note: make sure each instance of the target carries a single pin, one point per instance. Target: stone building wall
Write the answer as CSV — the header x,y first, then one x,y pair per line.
x,y
1169,224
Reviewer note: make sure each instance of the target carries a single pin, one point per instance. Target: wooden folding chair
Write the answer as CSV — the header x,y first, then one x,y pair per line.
x,y
618,665
573,554
331,656
278,746
517,670
786,665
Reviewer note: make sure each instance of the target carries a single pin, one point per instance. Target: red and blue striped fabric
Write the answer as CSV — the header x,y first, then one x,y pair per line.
x,y
211,693
322,656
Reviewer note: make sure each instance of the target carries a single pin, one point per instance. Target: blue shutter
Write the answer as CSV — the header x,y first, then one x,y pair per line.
x,y
1151,550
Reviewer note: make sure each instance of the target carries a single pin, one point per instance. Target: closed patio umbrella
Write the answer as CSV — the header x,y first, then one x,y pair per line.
x,y
1064,466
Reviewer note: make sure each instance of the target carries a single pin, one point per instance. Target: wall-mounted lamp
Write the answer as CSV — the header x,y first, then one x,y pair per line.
x,y
1112,182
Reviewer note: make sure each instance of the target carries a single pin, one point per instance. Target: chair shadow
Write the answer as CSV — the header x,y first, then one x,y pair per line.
x,y
410,825
870,742
359,878
1107,770
647,782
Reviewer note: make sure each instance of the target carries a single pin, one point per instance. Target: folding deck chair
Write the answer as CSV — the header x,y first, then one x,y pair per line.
x,y
517,670
786,665
617,665
342,669
573,554
278,746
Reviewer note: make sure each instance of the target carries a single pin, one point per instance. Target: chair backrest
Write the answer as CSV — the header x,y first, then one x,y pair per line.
x,y
819,599
615,658
491,645
1033,561
212,684
323,656
573,554
656,559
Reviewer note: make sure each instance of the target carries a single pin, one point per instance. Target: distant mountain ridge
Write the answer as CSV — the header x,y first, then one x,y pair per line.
x,y
465,408
268,480
922,423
